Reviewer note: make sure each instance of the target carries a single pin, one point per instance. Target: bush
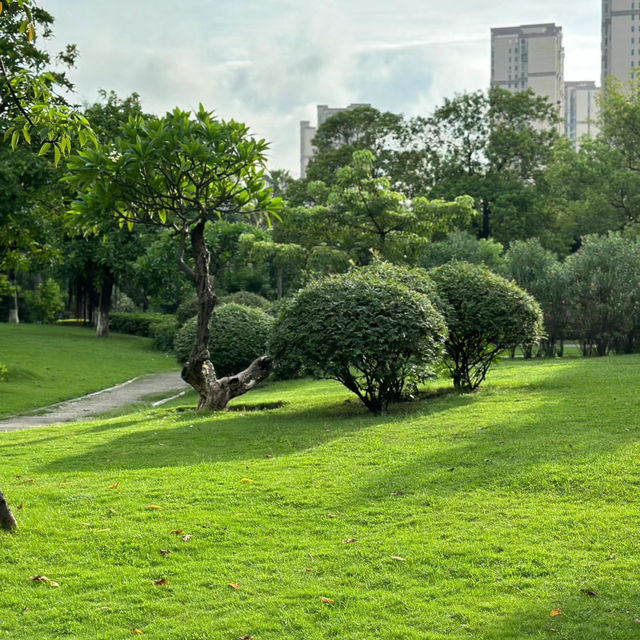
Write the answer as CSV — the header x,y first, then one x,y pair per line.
x,y
163,333
239,335
462,246
246,299
540,273
604,293
486,315
136,324
46,302
371,333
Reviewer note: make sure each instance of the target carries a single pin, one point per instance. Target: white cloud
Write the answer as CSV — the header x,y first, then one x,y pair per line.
x,y
270,62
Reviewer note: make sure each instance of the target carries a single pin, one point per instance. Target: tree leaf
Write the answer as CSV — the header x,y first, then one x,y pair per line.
x,y
234,585
555,613
44,148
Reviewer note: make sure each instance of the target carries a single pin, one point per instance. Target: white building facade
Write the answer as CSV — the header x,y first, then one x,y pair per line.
x,y
529,57
581,112
620,39
308,132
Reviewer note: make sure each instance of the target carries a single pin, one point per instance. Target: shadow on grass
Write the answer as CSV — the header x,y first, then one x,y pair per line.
x,y
561,441
180,437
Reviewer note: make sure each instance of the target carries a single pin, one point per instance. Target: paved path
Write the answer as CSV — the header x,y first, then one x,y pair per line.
x,y
93,404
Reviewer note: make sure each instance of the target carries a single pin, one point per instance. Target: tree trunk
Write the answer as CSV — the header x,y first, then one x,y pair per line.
x,y
213,393
7,521
14,316
104,303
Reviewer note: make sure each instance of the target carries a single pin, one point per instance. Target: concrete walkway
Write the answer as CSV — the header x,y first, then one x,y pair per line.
x,y
94,404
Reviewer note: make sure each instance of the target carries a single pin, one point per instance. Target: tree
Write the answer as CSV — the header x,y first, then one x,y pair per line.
x,y
494,147
486,315
372,334
604,293
360,129
363,215
182,172
462,246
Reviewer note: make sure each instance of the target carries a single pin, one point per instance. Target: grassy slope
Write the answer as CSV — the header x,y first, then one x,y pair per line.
x,y
51,363
505,505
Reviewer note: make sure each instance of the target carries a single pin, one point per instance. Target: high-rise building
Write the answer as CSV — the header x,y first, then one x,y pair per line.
x,y
308,132
620,38
581,110
529,56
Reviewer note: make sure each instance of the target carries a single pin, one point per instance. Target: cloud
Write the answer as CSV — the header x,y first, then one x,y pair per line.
x,y
270,62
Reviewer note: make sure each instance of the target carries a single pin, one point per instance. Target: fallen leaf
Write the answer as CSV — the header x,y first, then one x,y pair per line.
x,y
349,540
589,592
397,558
114,486
177,531
309,570
164,552
246,480
268,457
326,600
397,493
555,613
636,621
248,636
137,631
187,537
161,581
20,506
234,585
153,506
331,515
44,579
29,480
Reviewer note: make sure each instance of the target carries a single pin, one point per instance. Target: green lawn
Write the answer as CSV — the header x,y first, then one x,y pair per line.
x,y
505,505
52,363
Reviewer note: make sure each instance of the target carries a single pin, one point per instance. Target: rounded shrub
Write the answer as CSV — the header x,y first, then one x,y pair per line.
x,y
371,333
486,314
239,335
246,299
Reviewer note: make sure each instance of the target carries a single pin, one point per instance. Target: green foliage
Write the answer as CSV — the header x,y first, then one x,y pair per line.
x,y
245,299
163,333
485,314
4,372
46,302
177,172
239,335
462,246
366,330
539,272
361,213
604,293
491,147
137,324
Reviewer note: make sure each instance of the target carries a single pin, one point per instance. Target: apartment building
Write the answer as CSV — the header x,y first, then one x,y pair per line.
x,y
308,132
581,110
620,39
529,57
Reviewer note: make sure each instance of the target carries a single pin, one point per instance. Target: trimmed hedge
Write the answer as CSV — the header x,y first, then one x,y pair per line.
x,y
239,335
135,324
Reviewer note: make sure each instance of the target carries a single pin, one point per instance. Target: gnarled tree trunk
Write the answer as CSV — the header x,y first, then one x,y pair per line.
x,y
213,393
7,521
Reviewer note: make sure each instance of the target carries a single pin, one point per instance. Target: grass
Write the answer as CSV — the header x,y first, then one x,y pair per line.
x,y
505,505
51,363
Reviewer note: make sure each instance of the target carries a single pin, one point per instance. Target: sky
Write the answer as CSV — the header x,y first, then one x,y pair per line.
x,y
268,63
